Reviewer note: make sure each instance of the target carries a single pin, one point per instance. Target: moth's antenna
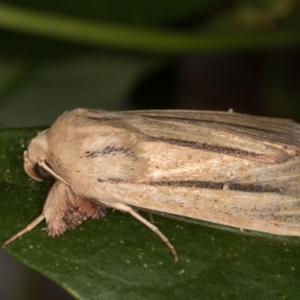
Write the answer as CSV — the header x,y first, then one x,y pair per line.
x,y
30,226
50,171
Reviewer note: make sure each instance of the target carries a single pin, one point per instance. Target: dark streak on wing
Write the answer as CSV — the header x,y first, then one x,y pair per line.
x,y
110,150
167,118
214,148
282,133
253,188
278,132
102,119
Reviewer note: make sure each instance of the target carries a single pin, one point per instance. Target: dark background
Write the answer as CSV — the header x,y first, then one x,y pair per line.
x,y
41,76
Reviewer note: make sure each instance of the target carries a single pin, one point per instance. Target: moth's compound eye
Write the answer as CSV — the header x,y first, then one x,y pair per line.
x,y
42,173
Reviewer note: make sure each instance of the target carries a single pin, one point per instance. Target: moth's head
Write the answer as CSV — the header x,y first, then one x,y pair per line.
x,y
36,157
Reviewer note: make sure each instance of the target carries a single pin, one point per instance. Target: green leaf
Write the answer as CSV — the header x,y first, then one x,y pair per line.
x,y
118,258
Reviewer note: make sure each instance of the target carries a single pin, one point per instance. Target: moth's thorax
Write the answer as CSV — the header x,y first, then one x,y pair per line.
x,y
85,151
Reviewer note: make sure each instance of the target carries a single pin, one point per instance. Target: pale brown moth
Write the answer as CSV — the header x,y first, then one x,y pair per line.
x,y
221,167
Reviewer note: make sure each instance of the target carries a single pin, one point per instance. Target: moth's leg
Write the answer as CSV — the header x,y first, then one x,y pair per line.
x,y
128,209
29,227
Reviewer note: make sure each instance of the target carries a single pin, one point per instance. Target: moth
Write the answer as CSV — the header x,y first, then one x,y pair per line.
x,y
221,167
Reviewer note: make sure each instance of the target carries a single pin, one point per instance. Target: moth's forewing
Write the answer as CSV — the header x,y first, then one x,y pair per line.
x,y
226,168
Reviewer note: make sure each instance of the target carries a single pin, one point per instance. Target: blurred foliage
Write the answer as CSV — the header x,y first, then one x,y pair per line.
x,y
57,55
